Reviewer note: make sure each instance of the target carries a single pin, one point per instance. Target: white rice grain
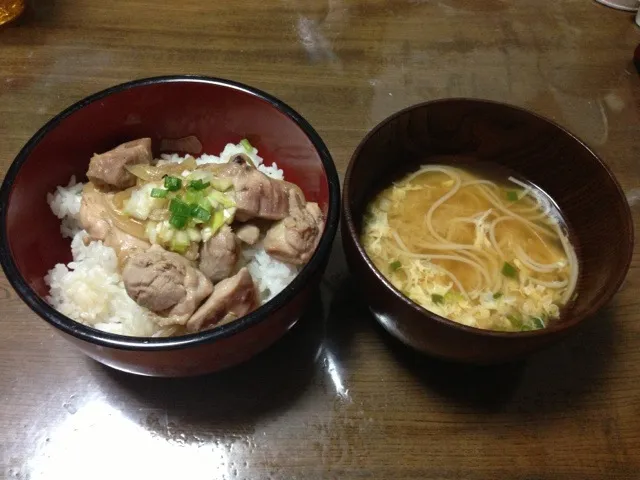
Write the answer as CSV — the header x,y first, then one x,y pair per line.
x,y
90,289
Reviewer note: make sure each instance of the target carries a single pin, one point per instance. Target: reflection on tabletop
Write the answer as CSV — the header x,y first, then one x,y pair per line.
x,y
230,423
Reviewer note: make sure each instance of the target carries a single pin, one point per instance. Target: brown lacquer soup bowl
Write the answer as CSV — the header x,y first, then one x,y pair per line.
x,y
584,189
216,112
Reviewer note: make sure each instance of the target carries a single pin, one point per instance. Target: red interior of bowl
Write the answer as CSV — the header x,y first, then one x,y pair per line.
x,y
214,112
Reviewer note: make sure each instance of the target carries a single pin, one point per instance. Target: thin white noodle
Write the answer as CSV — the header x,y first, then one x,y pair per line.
x,y
557,284
478,255
541,202
492,236
492,268
528,192
469,183
573,266
440,201
405,250
509,213
533,265
495,268
451,276
429,256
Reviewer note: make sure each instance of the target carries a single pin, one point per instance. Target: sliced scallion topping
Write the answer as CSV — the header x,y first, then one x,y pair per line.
x,y
497,295
512,196
538,322
172,184
509,270
180,208
197,185
200,213
158,192
246,145
192,196
216,197
453,297
395,265
515,321
217,221
437,299
206,204
178,221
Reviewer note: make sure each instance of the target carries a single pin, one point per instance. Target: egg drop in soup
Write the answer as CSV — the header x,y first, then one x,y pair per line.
x,y
487,253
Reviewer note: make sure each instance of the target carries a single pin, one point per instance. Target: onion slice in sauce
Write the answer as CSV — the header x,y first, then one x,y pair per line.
x,y
154,173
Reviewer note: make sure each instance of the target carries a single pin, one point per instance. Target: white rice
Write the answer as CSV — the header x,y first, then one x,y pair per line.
x,y
65,204
90,289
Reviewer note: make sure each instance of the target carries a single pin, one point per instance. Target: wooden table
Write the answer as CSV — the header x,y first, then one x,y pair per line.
x,y
337,398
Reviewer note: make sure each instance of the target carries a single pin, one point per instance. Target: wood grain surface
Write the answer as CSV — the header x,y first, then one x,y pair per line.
x,y
336,398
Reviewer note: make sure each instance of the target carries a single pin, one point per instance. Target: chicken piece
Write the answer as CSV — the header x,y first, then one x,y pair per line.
x,y
219,255
248,233
256,195
165,283
232,298
108,169
189,144
99,226
294,239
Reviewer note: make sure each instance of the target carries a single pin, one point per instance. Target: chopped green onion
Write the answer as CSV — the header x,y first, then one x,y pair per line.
x,y
538,322
217,221
453,297
509,270
395,265
206,204
158,192
437,299
526,328
200,213
497,295
515,321
222,199
246,145
512,196
180,208
178,221
198,185
172,183
192,196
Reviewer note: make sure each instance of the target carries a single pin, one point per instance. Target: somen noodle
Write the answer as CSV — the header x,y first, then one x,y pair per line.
x,y
484,253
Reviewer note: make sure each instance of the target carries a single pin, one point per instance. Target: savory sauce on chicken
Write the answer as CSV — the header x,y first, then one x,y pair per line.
x,y
179,230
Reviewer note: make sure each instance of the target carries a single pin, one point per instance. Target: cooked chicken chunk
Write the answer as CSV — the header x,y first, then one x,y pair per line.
x,y
294,239
232,298
108,169
166,283
256,195
99,226
248,233
219,255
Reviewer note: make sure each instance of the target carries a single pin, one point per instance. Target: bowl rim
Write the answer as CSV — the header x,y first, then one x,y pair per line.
x,y
349,223
123,342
